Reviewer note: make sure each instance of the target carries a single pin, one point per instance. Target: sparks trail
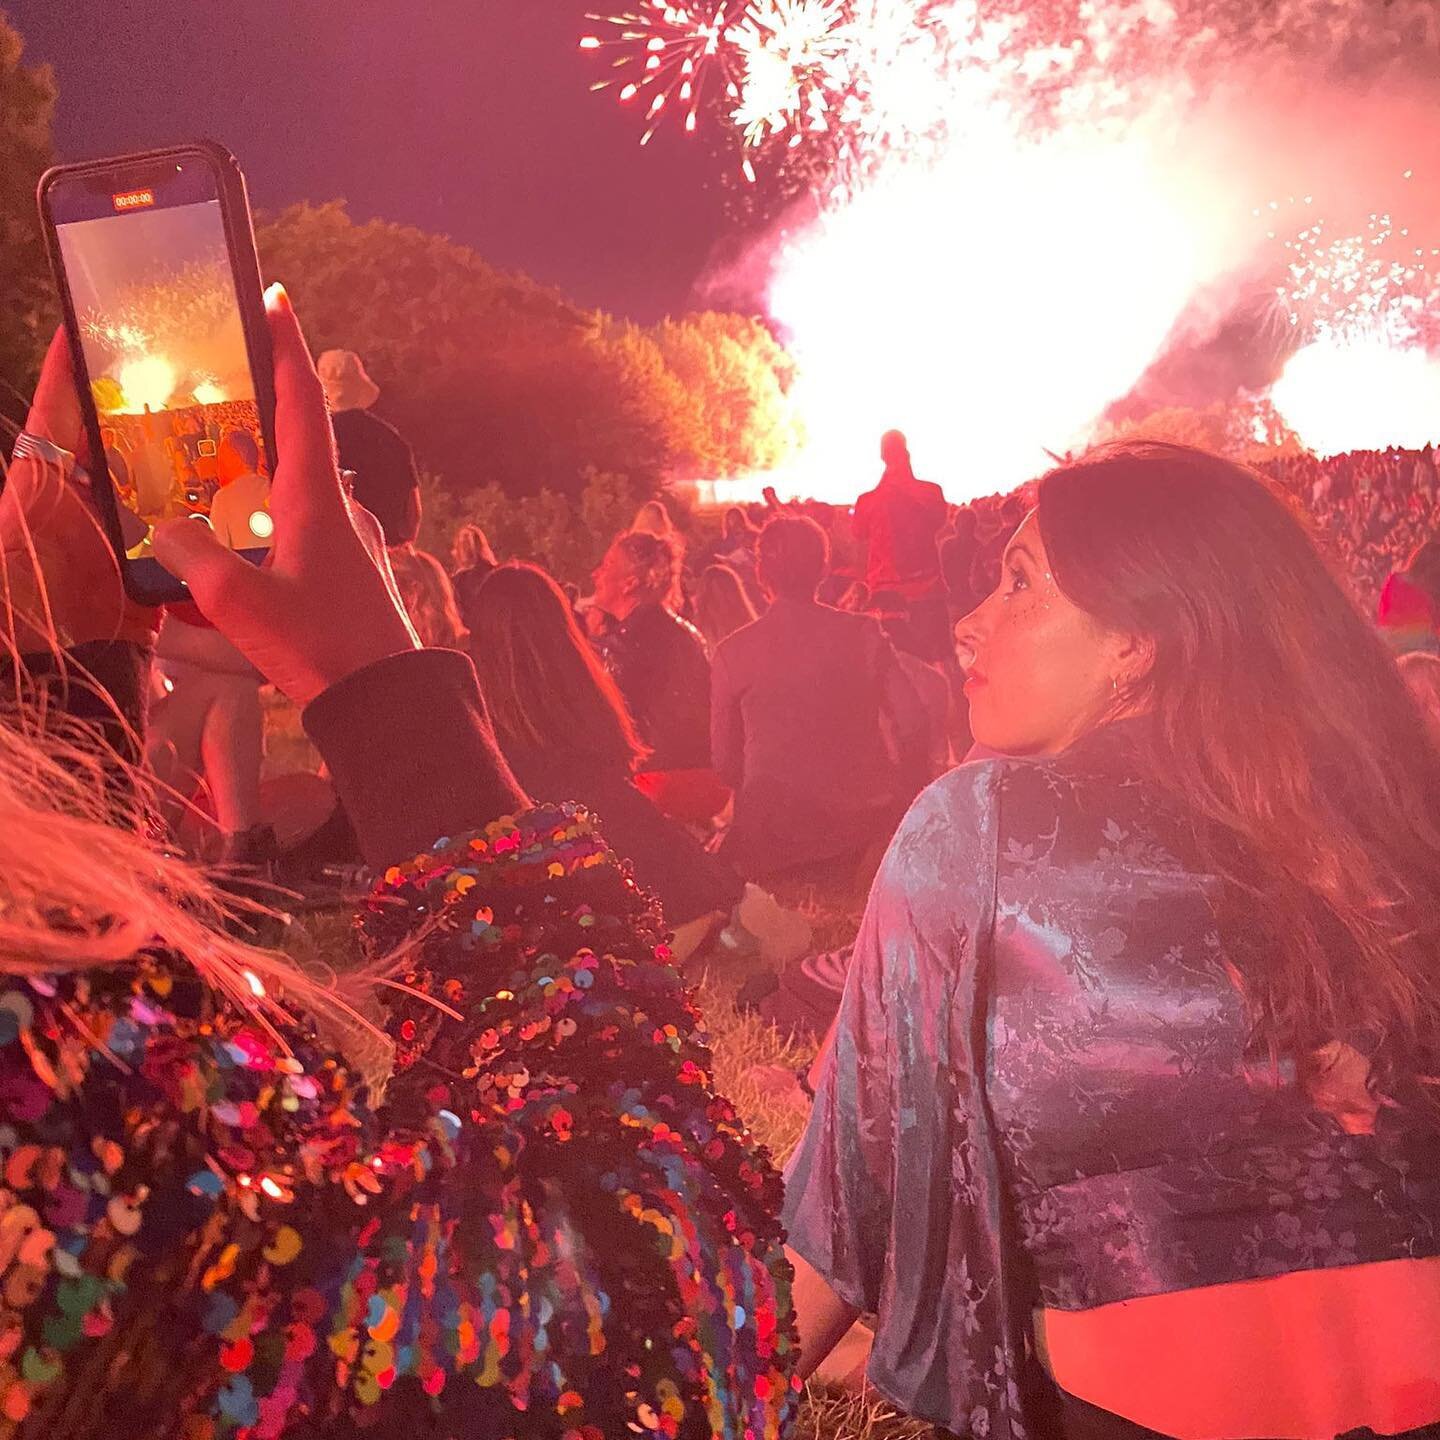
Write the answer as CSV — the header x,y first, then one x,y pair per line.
x,y
666,55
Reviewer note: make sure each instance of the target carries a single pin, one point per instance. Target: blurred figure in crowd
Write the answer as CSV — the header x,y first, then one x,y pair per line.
x,y
386,482
721,604
662,668
899,524
813,722
240,512
470,550
428,597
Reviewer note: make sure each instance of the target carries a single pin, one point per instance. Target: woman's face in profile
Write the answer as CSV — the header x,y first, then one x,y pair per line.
x,y
1040,672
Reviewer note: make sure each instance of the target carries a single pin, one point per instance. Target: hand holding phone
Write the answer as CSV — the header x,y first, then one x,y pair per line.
x,y
323,607
154,258
325,603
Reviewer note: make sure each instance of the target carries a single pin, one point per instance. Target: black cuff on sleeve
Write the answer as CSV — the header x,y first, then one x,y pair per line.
x,y
412,753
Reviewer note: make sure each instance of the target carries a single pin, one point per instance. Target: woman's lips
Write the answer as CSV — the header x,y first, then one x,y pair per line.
x,y
967,657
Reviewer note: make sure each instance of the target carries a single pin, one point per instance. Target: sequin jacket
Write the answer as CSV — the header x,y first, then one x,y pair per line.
x,y
553,1226
1040,1094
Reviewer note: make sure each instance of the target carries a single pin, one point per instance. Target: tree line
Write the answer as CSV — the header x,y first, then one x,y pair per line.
x,y
496,380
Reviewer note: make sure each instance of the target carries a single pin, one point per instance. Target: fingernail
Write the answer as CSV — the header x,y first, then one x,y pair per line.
x,y
277,299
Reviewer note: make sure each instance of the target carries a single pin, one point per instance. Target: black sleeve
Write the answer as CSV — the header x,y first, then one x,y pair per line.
x,y
412,753
408,522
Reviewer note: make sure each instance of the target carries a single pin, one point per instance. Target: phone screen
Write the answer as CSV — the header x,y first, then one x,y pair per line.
x,y
153,293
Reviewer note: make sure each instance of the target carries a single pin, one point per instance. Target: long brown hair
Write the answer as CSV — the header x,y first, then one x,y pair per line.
x,y
1284,732
428,596
543,684
721,605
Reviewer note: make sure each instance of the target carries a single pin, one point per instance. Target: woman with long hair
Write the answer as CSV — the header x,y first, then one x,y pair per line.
x,y
551,1227
562,725
721,605
428,597
1129,1123
470,550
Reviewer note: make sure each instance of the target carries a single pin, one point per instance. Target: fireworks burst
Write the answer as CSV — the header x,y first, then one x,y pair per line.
x,y
785,69
1375,284
666,55
796,58
1019,207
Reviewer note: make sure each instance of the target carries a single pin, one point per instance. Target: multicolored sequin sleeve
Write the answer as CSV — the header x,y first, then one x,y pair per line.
x,y
611,1173
159,1151
553,1228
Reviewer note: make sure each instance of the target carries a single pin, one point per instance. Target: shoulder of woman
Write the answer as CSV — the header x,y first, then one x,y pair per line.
x,y
951,825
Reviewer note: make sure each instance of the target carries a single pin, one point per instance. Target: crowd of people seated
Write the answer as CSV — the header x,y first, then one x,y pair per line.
x,y
1125,1126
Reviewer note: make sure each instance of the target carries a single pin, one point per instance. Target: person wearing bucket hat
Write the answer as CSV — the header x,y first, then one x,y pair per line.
x,y
386,483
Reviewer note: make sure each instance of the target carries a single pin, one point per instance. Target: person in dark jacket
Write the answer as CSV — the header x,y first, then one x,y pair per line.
x,y
385,480
660,663
813,722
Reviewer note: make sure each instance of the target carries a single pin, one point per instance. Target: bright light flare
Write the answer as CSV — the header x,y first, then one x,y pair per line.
x,y
989,305
148,380
1340,394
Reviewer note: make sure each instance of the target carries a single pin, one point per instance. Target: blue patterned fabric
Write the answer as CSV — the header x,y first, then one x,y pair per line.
x,y
1040,1093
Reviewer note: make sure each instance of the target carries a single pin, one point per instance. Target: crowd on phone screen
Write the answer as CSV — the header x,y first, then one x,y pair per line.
x,y
1141,1013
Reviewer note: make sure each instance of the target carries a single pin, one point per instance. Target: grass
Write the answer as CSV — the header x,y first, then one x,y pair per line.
x,y
741,1043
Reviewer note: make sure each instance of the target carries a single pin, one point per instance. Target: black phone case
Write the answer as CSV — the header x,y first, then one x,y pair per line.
x,y
244,266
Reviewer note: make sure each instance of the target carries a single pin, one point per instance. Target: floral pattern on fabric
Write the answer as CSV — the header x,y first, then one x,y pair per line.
x,y
205,1234
1039,1094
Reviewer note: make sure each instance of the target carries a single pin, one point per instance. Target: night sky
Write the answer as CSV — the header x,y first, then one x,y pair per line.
x,y
472,118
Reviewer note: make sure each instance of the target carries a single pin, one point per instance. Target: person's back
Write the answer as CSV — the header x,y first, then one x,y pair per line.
x,y
899,523
808,681
239,513
660,665
812,721
385,481
658,660
1149,1158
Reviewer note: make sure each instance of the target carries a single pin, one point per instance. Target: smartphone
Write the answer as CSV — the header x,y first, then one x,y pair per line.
x,y
154,259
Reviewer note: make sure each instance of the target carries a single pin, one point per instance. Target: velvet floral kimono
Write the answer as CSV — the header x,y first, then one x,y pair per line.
x,y
1040,1094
